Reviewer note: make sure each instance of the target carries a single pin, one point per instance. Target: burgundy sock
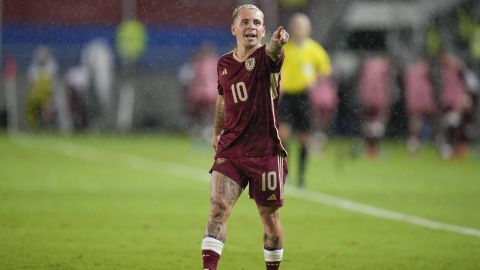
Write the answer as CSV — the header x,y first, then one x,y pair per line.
x,y
272,265
210,259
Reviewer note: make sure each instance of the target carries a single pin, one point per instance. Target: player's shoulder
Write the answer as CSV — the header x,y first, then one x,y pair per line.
x,y
314,45
226,55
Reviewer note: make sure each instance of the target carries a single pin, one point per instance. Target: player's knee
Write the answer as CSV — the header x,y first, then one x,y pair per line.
x,y
219,208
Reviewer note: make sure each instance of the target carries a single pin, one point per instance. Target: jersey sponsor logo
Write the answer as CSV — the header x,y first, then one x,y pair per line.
x,y
224,72
272,198
250,63
220,160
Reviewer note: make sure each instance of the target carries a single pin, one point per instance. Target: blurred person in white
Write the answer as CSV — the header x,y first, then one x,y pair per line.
x,y
98,57
77,82
42,72
375,82
199,80
419,100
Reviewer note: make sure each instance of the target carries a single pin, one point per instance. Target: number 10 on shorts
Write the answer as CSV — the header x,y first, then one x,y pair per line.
x,y
270,182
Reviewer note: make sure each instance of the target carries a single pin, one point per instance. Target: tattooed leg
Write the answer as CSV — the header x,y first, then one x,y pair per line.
x,y
224,193
273,232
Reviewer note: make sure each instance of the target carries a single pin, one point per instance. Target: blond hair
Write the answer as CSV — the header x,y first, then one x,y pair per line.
x,y
247,6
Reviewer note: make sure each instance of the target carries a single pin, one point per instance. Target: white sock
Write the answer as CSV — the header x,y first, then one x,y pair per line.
x,y
213,244
273,255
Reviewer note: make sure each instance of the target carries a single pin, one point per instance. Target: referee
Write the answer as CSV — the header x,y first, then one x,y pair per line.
x,y
305,61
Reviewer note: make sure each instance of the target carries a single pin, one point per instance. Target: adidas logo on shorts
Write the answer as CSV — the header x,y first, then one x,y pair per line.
x,y
272,198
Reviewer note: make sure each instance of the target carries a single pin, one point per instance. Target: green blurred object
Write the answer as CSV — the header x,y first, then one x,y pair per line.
x,y
466,25
131,40
37,101
475,43
293,3
434,41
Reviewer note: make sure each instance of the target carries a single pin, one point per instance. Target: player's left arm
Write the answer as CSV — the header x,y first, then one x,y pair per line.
x,y
275,46
218,125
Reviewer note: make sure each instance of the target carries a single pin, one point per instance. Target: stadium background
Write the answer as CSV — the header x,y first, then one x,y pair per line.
x,y
182,26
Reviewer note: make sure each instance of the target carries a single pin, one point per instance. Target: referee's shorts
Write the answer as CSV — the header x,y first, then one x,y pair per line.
x,y
295,110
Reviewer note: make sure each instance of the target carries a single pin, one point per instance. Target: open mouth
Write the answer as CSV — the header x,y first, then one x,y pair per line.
x,y
250,36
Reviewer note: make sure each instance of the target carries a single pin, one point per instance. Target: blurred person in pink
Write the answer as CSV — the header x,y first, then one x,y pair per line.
x,y
199,78
374,89
419,100
324,102
455,103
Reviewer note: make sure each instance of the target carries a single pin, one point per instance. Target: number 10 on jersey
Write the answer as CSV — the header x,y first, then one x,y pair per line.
x,y
239,92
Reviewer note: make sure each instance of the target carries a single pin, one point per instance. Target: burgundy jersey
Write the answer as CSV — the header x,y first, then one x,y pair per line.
x,y
250,90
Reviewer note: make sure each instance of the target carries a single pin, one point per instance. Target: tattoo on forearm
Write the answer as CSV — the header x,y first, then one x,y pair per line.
x,y
274,50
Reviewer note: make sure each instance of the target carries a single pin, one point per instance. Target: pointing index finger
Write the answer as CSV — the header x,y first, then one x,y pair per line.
x,y
279,30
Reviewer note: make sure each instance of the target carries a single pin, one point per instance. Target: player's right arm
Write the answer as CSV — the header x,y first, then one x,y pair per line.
x,y
218,126
275,46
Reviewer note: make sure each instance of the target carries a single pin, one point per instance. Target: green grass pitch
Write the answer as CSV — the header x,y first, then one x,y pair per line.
x,y
141,202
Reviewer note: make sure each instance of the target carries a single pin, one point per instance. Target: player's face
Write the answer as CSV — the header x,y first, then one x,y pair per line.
x,y
248,28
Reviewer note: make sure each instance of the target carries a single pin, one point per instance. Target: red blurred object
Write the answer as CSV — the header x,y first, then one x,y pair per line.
x,y
109,12
10,67
63,12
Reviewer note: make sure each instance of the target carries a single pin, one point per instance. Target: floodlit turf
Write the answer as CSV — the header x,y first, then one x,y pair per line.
x,y
141,202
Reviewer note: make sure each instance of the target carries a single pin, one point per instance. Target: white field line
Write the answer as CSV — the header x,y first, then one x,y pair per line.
x,y
192,173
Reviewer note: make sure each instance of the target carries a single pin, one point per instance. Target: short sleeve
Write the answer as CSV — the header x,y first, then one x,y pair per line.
x,y
324,66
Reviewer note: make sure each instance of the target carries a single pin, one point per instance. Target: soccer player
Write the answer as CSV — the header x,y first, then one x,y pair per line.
x,y
306,62
419,100
455,102
374,87
199,78
246,138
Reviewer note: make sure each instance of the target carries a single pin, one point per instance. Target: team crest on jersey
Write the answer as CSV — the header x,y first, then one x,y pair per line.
x,y
250,63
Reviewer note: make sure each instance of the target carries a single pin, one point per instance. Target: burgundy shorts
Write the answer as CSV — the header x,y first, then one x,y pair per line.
x,y
265,176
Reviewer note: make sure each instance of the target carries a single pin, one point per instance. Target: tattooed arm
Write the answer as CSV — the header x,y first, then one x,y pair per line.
x,y
218,126
274,47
